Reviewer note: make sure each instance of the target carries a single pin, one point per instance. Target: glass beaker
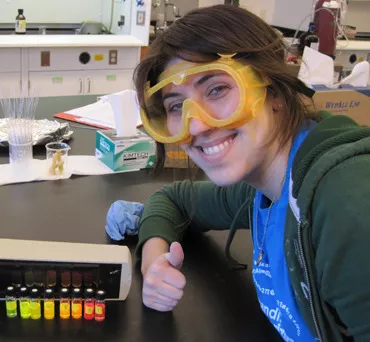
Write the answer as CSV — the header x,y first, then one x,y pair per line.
x,y
57,157
20,153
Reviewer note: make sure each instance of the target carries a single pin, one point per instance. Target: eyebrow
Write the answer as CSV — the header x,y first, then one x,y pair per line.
x,y
198,83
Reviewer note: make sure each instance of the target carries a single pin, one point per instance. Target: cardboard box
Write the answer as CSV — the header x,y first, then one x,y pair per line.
x,y
348,100
125,154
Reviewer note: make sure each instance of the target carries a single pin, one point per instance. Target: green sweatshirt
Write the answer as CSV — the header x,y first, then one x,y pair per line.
x,y
327,229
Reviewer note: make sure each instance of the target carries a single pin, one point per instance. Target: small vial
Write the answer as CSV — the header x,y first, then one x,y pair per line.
x,y
76,303
35,305
24,303
89,306
11,302
100,306
49,304
65,304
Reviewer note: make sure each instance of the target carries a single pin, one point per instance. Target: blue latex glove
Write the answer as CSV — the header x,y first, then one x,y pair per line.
x,y
123,218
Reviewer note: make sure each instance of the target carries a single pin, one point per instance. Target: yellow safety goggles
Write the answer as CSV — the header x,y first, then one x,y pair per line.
x,y
166,127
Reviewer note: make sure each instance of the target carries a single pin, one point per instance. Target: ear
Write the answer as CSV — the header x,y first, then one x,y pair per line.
x,y
276,106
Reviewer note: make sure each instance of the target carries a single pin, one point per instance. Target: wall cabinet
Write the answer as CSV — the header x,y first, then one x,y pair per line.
x,y
93,82
67,71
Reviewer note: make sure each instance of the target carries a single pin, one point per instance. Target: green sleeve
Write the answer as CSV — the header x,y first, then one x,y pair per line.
x,y
201,206
341,234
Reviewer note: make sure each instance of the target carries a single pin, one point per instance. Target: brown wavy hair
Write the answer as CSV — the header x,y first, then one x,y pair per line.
x,y
203,33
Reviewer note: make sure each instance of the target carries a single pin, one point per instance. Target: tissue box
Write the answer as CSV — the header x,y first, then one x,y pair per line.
x,y
351,101
125,154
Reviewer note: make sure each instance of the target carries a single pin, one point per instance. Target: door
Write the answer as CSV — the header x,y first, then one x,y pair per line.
x,y
99,82
10,84
56,83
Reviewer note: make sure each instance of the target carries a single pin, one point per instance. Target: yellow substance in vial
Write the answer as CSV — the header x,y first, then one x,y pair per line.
x,y
49,309
65,310
76,310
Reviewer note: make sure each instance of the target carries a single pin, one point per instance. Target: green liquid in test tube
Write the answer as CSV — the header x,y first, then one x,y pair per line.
x,y
11,302
24,303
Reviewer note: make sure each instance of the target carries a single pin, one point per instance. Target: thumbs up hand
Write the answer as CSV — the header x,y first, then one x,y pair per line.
x,y
163,282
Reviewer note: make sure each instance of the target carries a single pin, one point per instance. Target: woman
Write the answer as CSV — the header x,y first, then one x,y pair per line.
x,y
216,82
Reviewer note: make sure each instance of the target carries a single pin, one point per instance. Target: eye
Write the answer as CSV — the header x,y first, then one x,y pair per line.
x,y
176,107
218,90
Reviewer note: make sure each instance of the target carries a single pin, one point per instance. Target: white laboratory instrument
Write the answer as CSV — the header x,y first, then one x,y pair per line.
x,y
65,264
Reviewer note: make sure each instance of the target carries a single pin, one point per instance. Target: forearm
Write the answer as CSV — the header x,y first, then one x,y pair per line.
x,y
152,249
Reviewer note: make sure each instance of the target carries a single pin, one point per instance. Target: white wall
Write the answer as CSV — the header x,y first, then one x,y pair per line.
x,y
359,15
263,8
283,13
51,11
206,3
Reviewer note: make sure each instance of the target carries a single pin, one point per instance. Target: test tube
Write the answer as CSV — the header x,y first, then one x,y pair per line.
x,y
49,304
35,305
76,303
24,303
89,304
65,304
100,306
11,302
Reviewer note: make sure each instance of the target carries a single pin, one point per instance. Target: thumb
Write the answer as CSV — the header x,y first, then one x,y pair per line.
x,y
176,255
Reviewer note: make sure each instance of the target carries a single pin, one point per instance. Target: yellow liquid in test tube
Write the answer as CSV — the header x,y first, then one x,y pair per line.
x,y
65,309
76,310
35,309
49,309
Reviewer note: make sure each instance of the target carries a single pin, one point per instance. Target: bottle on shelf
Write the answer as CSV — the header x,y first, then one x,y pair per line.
x,y
309,39
20,23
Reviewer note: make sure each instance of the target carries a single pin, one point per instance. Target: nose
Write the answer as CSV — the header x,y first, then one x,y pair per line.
x,y
197,127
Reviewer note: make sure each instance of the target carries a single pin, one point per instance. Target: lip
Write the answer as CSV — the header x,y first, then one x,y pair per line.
x,y
218,157
214,142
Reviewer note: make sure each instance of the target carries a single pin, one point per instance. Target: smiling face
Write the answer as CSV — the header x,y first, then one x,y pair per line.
x,y
225,155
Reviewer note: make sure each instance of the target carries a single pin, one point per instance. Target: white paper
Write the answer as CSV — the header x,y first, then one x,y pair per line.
x,y
316,68
37,170
126,112
359,76
99,113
